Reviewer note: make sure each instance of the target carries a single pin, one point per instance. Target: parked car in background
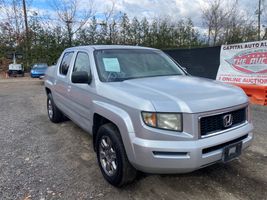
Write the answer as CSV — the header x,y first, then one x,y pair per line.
x,y
15,70
38,70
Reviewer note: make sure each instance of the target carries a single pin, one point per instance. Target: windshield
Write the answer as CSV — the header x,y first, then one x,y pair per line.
x,y
122,64
40,66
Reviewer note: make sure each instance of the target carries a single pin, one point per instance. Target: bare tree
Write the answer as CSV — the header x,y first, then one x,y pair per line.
x,y
71,14
215,18
108,25
12,20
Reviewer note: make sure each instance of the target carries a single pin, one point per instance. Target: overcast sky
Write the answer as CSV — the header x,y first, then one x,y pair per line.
x,y
176,9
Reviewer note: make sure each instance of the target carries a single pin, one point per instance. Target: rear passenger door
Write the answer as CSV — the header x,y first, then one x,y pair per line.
x,y
81,94
61,94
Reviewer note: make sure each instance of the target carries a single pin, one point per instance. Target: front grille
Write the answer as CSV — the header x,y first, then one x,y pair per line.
x,y
214,123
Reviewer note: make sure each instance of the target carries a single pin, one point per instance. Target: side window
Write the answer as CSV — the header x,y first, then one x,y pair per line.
x,y
82,63
65,63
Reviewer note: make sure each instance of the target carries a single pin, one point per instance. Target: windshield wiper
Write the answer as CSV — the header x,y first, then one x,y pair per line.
x,y
151,76
137,77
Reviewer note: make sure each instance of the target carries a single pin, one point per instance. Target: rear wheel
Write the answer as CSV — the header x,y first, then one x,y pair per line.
x,y
54,114
112,158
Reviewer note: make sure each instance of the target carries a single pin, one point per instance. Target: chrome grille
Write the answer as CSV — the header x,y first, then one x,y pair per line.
x,y
214,123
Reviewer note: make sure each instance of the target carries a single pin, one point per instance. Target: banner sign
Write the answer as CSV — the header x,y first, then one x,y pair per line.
x,y
244,63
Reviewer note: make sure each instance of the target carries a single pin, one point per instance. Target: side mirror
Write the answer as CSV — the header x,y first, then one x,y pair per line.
x,y
81,77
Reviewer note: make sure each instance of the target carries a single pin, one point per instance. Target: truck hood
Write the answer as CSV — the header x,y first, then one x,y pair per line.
x,y
179,93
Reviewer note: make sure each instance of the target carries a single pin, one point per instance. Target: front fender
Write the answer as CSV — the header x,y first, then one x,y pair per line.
x,y
122,120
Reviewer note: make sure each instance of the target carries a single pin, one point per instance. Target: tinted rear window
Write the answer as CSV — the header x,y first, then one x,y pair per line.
x,y
65,63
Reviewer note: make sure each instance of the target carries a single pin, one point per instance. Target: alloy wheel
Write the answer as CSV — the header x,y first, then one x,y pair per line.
x,y
108,158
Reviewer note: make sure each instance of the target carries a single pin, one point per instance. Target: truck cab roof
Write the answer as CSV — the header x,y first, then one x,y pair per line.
x,y
99,47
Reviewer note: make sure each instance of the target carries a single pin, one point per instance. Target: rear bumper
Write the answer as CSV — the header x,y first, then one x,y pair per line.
x,y
185,156
15,72
36,75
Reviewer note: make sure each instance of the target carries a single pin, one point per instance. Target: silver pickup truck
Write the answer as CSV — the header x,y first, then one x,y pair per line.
x,y
145,112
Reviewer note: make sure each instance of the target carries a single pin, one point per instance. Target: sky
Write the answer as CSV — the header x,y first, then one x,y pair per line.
x,y
173,9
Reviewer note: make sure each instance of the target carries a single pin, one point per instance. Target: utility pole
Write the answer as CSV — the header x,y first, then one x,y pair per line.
x,y
27,32
259,20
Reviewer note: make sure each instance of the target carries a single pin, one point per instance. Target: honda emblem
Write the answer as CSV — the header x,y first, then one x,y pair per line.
x,y
227,120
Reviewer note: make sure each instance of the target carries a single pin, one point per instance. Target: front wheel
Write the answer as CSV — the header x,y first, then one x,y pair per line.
x,y
112,158
54,114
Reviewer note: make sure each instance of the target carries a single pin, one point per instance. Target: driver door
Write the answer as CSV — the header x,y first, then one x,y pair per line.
x,y
81,94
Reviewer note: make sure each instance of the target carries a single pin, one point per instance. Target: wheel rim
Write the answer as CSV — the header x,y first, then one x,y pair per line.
x,y
108,158
50,109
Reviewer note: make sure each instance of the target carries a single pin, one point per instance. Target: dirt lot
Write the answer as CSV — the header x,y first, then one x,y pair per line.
x,y
41,160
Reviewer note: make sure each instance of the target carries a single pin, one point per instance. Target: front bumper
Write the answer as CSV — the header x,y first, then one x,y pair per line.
x,y
164,157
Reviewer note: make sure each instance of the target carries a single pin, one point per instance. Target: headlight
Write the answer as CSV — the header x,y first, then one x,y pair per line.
x,y
168,121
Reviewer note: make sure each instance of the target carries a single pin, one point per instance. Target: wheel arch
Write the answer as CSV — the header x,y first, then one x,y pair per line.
x,y
48,91
106,113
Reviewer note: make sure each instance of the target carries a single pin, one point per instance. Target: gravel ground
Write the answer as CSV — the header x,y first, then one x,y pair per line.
x,y
41,160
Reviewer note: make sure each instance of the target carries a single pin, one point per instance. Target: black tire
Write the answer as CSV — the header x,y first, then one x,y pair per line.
x,y
125,172
56,115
